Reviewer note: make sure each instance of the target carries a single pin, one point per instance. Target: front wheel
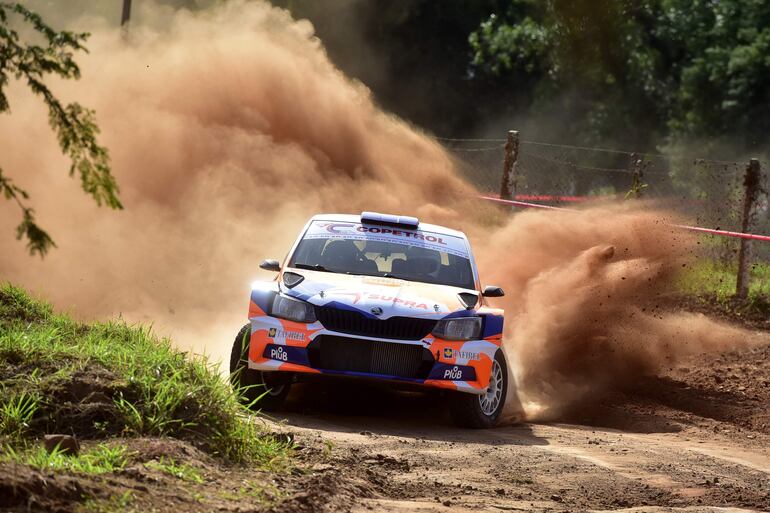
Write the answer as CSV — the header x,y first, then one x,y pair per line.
x,y
482,411
259,390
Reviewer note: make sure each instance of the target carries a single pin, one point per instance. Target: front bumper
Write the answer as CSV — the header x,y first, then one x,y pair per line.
x,y
281,345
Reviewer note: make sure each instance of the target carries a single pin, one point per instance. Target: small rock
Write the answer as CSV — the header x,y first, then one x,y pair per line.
x,y
67,444
447,503
500,491
321,467
556,498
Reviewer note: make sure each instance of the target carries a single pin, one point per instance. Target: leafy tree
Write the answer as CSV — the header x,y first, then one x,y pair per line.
x,y
639,73
73,124
585,61
722,68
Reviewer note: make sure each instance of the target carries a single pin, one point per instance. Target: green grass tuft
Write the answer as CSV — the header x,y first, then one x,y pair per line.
x,y
115,504
17,305
16,412
98,460
115,379
182,471
713,278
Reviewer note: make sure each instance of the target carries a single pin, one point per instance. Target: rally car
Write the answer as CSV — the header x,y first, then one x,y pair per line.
x,y
379,297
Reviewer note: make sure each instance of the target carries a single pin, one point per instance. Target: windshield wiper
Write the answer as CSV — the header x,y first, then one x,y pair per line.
x,y
314,267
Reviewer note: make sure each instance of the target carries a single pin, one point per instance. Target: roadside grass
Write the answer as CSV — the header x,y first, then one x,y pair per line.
x,y
16,413
115,503
264,495
98,460
115,379
182,471
712,280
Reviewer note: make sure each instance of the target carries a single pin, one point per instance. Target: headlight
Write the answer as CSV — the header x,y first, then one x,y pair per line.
x,y
464,328
292,309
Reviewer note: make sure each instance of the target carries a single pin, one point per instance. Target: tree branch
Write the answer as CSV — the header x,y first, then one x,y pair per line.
x,y
38,240
74,125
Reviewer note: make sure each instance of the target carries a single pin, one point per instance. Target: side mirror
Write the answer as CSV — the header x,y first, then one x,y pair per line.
x,y
270,265
492,291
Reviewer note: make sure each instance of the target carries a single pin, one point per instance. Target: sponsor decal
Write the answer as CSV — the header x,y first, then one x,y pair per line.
x,y
401,233
357,296
454,353
396,301
452,372
335,227
385,282
455,373
285,334
278,353
342,228
288,354
418,238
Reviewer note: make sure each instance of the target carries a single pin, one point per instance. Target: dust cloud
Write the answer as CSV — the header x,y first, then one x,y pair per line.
x,y
228,128
584,309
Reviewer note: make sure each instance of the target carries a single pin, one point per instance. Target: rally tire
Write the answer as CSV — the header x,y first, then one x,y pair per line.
x,y
482,411
251,383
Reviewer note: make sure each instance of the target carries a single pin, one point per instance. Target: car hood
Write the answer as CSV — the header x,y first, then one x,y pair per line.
x,y
370,294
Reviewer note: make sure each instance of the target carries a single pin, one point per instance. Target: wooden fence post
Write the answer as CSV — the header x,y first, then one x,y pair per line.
x,y
125,19
637,174
751,188
510,177
126,14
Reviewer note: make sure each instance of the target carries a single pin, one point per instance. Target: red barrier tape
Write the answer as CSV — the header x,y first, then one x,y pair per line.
x,y
722,233
563,199
525,204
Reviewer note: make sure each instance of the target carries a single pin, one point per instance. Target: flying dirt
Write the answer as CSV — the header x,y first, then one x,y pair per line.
x,y
584,295
229,128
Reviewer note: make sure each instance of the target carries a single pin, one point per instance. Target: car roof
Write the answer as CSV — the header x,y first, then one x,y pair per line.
x,y
352,218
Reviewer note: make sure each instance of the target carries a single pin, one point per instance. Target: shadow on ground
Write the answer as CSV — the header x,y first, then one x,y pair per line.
x,y
665,405
364,408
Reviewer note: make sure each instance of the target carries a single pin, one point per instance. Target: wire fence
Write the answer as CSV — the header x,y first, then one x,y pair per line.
x,y
710,193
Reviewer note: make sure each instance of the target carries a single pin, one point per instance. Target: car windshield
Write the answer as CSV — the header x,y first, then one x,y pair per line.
x,y
408,255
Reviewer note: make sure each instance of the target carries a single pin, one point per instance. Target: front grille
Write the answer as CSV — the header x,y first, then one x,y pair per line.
x,y
347,321
330,352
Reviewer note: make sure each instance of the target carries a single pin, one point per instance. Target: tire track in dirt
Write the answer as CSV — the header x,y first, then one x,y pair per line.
x,y
405,448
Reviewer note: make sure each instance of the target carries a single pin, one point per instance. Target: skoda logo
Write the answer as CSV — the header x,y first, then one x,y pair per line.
x,y
376,310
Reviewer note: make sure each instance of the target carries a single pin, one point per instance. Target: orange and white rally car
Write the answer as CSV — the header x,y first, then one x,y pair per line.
x,y
381,297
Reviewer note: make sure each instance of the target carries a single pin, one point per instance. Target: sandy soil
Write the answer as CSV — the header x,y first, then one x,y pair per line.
x,y
695,439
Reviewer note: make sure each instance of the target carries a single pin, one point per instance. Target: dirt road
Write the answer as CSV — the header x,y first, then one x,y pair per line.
x,y
667,445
